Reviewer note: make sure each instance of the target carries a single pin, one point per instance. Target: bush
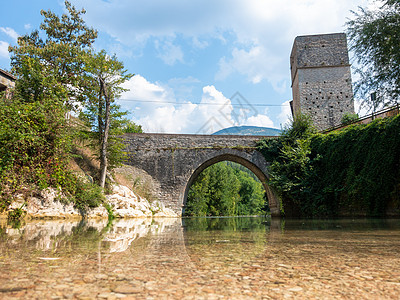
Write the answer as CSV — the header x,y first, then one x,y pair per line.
x,y
349,118
87,195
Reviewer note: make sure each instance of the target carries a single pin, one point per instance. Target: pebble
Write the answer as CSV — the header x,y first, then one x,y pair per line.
x,y
127,289
172,263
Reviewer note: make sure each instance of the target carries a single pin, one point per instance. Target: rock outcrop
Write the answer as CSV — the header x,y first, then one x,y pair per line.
x,y
123,201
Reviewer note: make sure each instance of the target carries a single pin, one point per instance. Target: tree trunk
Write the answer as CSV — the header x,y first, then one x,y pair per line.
x,y
104,144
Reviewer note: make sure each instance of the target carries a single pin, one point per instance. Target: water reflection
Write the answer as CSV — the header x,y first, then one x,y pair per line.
x,y
116,236
119,235
201,257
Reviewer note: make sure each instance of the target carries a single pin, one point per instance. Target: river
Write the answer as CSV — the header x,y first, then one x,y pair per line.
x,y
201,258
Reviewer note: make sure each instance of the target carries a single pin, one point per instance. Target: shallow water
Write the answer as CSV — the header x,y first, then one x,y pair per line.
x,y
234,258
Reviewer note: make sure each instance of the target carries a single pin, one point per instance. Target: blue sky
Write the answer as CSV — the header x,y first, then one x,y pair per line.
x,y
199,66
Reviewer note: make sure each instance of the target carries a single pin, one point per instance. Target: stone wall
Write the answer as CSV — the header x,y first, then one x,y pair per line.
x,y
7,82
174,161
321,78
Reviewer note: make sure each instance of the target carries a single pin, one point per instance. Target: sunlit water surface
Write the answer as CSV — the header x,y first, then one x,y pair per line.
x,y
234,258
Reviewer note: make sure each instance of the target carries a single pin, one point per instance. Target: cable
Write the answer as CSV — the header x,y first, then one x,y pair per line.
x,y
188,103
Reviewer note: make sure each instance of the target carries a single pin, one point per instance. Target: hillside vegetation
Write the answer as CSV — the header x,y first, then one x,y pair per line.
x,y
355,171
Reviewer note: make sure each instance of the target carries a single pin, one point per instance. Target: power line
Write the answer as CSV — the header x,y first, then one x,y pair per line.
x,y
207,103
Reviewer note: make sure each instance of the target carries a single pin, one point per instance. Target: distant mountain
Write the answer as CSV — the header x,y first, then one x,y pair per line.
x,y
248,130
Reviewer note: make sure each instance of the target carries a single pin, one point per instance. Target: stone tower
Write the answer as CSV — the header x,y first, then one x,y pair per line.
x,y
321,79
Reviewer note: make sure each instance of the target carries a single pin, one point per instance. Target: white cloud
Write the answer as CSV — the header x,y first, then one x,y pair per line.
x,y
4,49
155,108
259,120
168,52
10,32
257,64
285,115
199,44
27,26
263,30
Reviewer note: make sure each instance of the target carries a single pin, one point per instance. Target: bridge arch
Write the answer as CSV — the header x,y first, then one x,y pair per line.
x,y
226,157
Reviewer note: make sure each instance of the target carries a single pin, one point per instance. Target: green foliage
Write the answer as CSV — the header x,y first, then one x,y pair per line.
x,y
33,141
35,136
223,190
60,56
300,127
349,118
361,166
87,195
90,135
131,127
374,39
354,171
110,211
15,216
104,76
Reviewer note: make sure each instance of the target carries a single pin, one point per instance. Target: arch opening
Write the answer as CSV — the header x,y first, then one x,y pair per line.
x,y
254,169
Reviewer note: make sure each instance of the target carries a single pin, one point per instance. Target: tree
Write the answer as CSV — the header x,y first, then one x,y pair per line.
x,y
131,127
374,37
35,136
224,189
60,55
251,194
104,76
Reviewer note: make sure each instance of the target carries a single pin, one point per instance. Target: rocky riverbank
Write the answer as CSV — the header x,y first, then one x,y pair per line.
x,y
123,201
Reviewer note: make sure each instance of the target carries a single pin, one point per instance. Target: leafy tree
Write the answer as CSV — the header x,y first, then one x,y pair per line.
x,y
251,195
104,76
60,55
131,127
300,127
290,157
224,189
375,38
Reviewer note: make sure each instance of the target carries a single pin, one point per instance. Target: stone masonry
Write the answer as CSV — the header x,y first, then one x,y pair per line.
x,y
7,82
321,78
175,160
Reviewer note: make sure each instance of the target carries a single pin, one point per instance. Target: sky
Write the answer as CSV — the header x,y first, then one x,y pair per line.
x,y
199,65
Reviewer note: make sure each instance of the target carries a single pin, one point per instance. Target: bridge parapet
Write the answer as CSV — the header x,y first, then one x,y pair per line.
x,y
189,141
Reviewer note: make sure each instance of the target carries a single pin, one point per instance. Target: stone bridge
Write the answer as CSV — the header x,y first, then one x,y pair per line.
x,y
175,160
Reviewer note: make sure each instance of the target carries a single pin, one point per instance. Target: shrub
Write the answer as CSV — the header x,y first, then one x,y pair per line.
x,y
349,118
